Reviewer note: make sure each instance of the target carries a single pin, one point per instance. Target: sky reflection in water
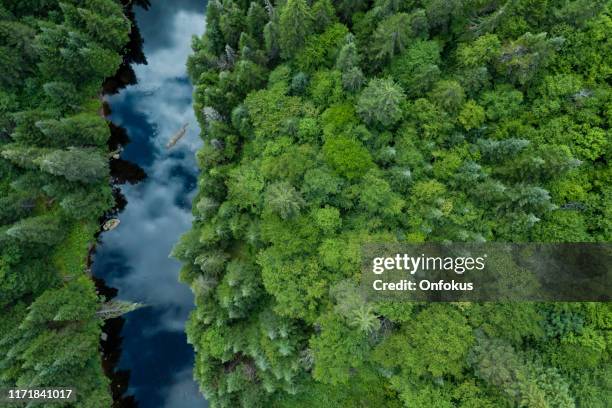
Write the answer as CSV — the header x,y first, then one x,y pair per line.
x,y
134,257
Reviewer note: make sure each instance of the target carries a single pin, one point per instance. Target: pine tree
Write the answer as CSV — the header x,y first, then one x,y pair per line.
x,y
21,155
79,130
323,14
295,24
75,164
42,229
380,103
392,36
63,95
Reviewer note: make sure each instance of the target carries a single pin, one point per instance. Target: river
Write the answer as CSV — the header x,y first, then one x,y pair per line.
x,y
133,258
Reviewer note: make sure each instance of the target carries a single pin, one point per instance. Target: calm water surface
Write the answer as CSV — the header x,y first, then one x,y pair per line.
x,y
133,258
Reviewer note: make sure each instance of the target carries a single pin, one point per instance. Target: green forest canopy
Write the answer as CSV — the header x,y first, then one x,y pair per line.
x,y
328,124
54,187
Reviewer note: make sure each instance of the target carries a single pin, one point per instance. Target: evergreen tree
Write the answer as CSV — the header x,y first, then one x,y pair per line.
x,y
391,121
54,58
75,164
381,103
42,229
83,129
295,24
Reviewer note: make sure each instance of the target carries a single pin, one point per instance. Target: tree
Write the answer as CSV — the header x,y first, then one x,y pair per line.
x,y
323,15
337,350
347,156
83,129
298,286
22,156
416,69
327,218
438,343
299,83
72,302
295,24
13,207
376,197
472,116
63,95
322,49
346,8
448,95
353,307
353,79
348,57
380,103
231,23
256,20
43,229
526,383
429,121
483,50
521,60
326,87
75,164
392,36
102,20
244,188
88,203
283,199
64,54
440,12
272,34
16,52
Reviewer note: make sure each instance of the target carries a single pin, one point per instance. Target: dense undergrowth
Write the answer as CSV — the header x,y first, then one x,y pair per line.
x,y
328,124
54,187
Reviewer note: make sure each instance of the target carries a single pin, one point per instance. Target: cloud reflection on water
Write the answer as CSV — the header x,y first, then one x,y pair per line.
x,y
134,257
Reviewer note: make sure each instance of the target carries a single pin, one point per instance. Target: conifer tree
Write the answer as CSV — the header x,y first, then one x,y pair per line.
x,y
295,24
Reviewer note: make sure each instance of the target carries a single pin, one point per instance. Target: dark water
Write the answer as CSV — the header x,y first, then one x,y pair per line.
x,y
133,258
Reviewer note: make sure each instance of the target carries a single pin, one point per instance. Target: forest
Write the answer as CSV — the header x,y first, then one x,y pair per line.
x,y
54,189
329,124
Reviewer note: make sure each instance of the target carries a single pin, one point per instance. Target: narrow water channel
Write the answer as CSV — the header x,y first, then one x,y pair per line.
x,y
133,258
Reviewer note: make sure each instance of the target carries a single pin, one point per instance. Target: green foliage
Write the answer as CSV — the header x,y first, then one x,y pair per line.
x,y
416,70
436,344
83,129
392,36
327,218
323,14
75,164
522,59
321,50
390,121
41,230
336,351
472,116
282,199
326,88
448,95
244,187
54,188
347,156
295,25
380,103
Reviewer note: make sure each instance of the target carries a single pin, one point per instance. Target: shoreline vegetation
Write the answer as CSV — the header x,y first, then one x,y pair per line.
x,y
57,182
329,124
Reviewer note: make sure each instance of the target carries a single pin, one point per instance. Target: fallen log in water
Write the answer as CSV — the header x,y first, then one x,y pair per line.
x,y
177,136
